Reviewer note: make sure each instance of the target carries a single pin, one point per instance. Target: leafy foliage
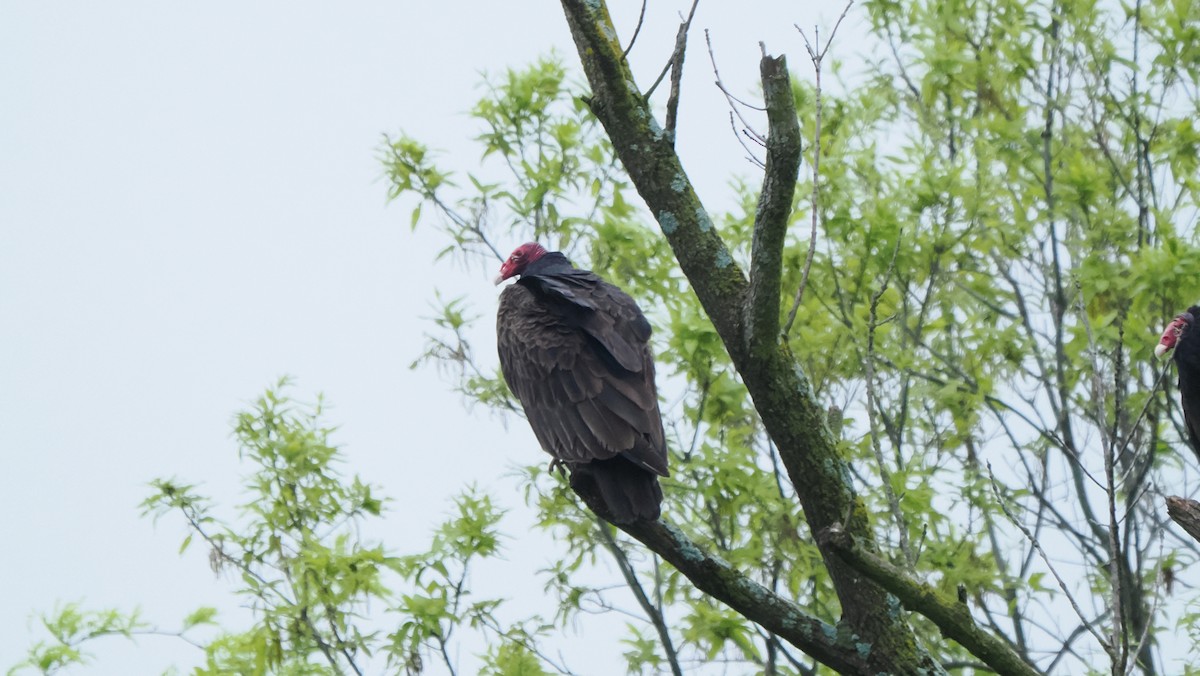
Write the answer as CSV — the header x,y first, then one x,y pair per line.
x,y
313,586
70,627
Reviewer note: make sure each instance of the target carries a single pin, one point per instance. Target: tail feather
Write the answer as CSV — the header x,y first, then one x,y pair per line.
x,y
618,490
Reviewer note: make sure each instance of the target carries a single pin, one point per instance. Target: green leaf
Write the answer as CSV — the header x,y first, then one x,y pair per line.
x,y
416,216
204,615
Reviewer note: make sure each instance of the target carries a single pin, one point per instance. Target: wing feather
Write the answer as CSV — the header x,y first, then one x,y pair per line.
x,y
1190,418
1189,397
586,382
603,311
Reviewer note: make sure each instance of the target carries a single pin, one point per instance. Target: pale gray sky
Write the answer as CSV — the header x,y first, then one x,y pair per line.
x,y
191,206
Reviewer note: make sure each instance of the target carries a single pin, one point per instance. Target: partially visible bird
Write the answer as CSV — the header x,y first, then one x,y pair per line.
x,y
1181,339
575,350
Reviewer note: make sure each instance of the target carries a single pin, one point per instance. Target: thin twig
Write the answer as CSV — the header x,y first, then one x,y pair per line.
x,y
749,153
817,37
155,632
721,84
678,53
1144,639
1142,414
1062,585
734,101
637,29
653,613
816,58
704,387
1120,637
752,135
872,413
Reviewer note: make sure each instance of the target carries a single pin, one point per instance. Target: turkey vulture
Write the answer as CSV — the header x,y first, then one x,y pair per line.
x,y
575,350
1179,337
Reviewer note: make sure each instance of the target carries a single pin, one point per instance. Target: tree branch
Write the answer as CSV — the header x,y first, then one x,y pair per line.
x,y
834,647
677,72
951,617
1186,513
778,385
774,203
676,79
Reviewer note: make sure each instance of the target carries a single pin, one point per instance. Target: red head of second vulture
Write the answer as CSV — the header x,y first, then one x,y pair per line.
x,y
575,350
1182,339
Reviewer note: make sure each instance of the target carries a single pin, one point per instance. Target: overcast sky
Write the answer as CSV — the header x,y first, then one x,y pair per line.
x,y
191,206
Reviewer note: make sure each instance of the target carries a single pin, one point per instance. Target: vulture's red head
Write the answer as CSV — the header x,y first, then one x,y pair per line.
x,y
520,259
1174,332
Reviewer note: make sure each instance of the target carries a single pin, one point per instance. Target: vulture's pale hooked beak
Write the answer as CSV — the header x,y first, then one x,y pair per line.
x,y
499,278
1169,339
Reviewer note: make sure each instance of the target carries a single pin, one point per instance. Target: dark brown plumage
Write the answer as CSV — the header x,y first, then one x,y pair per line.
x,y
1181,338
575,350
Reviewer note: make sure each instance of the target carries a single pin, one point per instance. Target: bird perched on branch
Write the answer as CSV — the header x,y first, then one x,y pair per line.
x,y
575,350
1181,339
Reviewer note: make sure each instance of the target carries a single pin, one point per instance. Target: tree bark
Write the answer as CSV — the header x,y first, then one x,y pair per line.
x,y
1186,513
952,617
831,646
774,204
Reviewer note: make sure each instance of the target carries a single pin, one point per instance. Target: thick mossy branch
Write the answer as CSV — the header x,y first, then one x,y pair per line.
x,y
649,158
774,204
952,617
778,386
839,650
